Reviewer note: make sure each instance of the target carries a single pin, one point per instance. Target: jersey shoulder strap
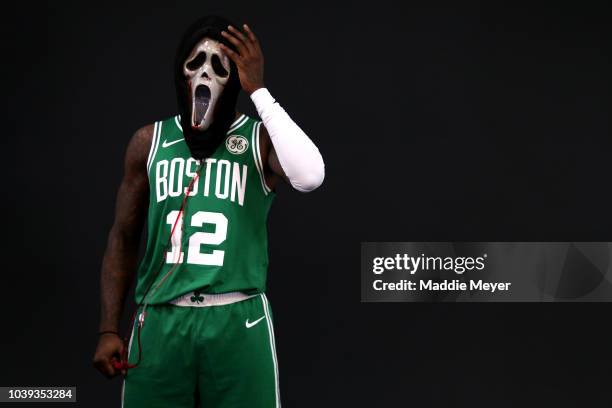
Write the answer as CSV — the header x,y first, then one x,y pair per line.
x,y
251,130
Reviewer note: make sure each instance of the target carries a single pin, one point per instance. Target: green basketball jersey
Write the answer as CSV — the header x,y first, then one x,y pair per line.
x,y
224,244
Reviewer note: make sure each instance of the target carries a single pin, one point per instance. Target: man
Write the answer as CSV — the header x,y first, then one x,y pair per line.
x,y
204,180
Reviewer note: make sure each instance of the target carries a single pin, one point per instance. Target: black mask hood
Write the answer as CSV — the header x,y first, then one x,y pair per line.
x,y
203,144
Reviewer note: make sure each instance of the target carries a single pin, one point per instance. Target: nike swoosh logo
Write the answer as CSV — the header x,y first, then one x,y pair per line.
x,y
249,325
166,143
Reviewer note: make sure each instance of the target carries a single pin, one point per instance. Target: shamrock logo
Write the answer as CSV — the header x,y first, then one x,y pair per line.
x,y
197,297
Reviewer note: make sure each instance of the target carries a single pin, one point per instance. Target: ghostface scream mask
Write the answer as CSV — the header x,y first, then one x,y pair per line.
x,y
207,86
206,70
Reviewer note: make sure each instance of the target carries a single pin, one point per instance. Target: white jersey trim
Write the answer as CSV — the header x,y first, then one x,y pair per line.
x,y
263,174
128,356
177,120
154,144
257,157
235,125
264,300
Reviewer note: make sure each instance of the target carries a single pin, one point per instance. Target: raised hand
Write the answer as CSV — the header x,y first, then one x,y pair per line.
x,y
249,59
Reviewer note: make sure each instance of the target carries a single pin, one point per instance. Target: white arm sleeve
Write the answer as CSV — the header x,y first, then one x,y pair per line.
x,y
297,154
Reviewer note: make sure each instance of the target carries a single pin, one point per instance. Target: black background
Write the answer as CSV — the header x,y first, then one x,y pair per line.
x,y
437,122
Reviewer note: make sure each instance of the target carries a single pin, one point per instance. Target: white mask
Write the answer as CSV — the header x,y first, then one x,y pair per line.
x,y
207,71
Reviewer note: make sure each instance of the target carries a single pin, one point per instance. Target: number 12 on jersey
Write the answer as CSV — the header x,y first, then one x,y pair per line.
x,y
194,255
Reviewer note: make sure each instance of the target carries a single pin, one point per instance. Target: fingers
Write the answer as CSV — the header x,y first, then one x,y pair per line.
x,y
109,348
230,53
237,40
250,34
108,369
238,34
243,43
105,367
121,353
247,45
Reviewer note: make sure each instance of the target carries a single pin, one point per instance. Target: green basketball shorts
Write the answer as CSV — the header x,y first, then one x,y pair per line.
x,y
217,356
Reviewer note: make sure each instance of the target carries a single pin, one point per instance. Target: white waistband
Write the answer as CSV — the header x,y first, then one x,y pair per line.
x,y
197,299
